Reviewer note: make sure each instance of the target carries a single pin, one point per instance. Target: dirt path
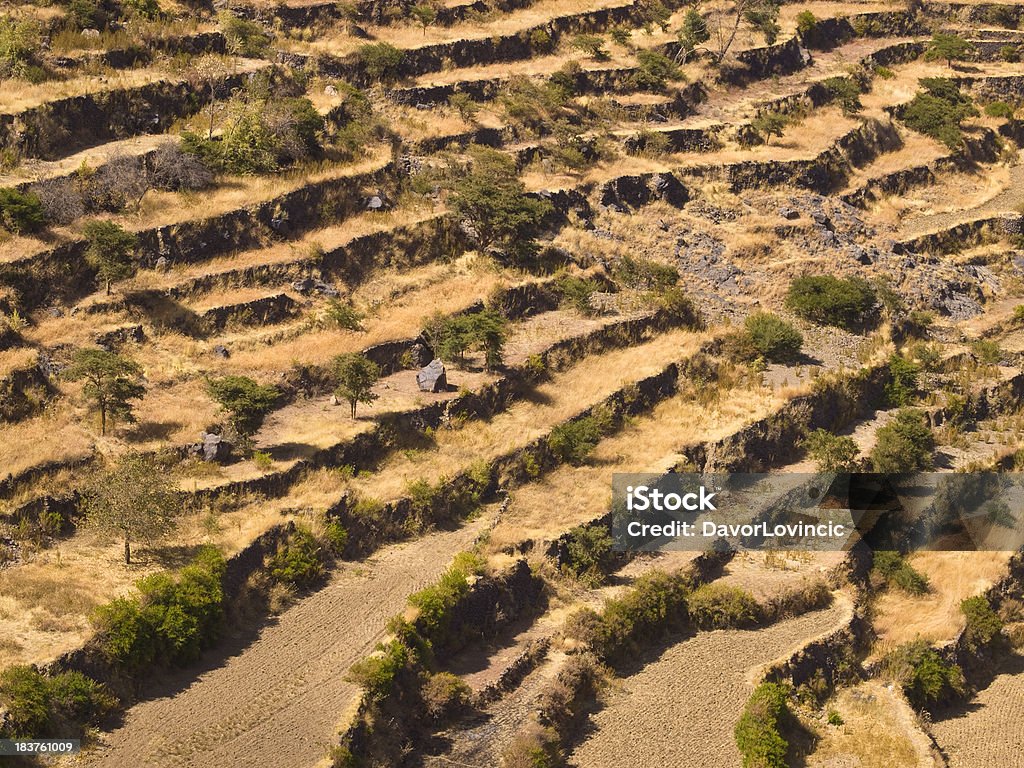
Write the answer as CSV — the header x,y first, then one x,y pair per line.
x,y
277,702
991,731
680,709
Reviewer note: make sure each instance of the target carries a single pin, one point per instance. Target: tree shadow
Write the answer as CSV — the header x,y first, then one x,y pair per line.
x,y
290,451
154,430
165,313
171,556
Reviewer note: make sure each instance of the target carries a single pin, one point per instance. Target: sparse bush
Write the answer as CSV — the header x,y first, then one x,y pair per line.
x,y
927,679
829,300
118,184
1010,53
906,444
445,696
805,23
339,314
592,45
720,606
21,212
844,92
832,453
61,198
464,105
834,718
109,251
356,376
174,170
243,37
576,292
987,351
453,336
759,730
645,274
20,40
435,603
768,124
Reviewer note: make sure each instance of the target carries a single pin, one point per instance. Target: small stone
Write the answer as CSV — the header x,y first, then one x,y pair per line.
x,y
330,90
334,400
789,213
221,351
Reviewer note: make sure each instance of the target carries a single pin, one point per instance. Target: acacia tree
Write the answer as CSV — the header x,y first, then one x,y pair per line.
x,y
424,14
726,19
109,251
111,382
356,375
494,201
948,48
135,500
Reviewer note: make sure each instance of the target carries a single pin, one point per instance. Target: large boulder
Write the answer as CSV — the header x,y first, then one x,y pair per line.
x,y
212,447
432,377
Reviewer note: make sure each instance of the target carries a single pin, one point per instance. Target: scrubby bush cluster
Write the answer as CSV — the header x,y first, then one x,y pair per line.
x,y
939,110
765,336
721,606
588,554
170,621
574,441
299,560
891,569
42,706
759,732
21,212
926,677
905,444
832,453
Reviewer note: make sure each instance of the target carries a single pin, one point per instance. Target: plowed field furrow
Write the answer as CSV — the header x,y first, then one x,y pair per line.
x,y
276,702
680,709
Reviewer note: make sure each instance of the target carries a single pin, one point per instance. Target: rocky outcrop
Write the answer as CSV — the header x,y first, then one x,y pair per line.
x,y
627,193
266,310
759,63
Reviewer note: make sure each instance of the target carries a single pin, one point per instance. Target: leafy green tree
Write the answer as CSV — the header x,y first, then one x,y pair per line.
x,y
135,499
21,212
109,251
845,92
772,337
905,444
246,402
110,381
983,624
692,34
452,337
948,48
768,124
356,375
424,14
832,453
494,201
654,71
20,40
831,300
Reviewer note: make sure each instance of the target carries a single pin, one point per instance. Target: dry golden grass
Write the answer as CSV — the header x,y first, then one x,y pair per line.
x,y
16,359
20,95
554,401
879,730
936,616
573,495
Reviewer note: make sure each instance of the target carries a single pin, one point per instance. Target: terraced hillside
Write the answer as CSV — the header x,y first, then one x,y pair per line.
x,y
323,327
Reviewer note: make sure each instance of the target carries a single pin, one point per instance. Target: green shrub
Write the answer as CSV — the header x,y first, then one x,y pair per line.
x,y
759,730
588,554
677,304
829,300
335,536
171,621
938,111
927,679
376,674
772,337
574,441
1000,109
21,212
382,61
576,292
453,336
720,606
1010,53
894,571
341,314
844,92
20,41
41,706
906,444
654,71
298,561
645,274
805,23
902,388
243,37
983,624
832,452
834,718
987,351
